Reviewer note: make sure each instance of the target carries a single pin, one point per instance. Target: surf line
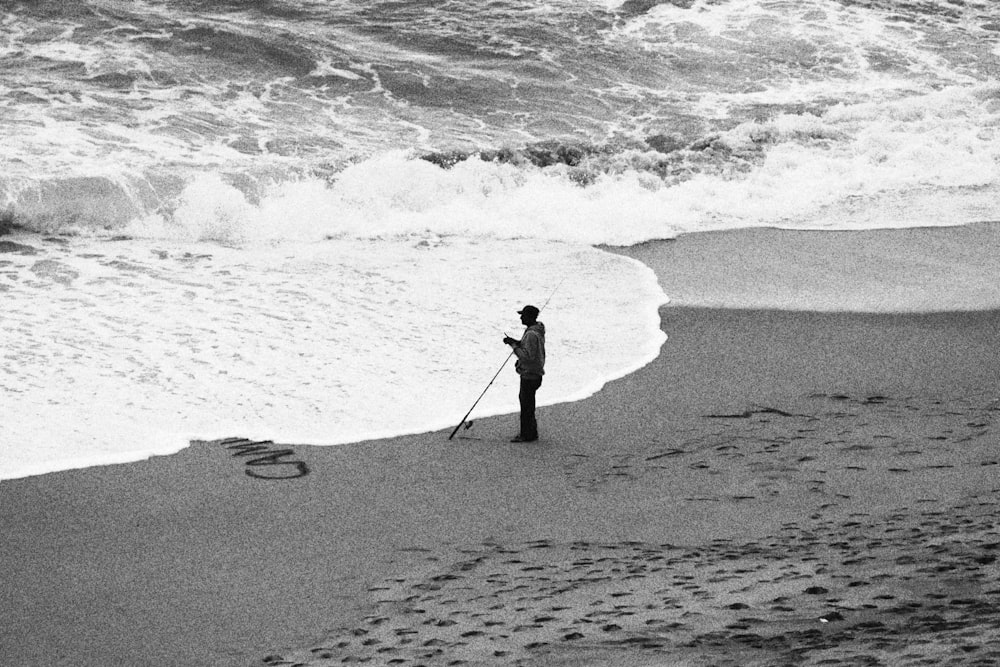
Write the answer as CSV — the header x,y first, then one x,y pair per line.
x,y
265,456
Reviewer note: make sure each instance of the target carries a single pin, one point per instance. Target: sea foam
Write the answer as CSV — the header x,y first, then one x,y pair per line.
x,y
119,350
810,171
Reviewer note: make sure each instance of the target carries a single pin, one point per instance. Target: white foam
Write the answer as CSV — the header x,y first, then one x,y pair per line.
x,y
779,44
325,67
121,350
801,171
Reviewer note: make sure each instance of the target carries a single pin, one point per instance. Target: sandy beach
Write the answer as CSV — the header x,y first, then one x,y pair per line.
x,y
806,475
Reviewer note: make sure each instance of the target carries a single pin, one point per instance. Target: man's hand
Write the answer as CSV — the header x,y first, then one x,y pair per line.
x,y
509,341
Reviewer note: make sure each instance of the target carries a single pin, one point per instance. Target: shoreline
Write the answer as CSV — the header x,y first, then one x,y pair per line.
x,y
186,559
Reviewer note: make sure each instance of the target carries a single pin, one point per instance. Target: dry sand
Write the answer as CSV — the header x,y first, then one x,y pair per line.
x,y
780,487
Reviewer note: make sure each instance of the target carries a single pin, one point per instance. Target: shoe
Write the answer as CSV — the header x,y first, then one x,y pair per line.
x,y
519,438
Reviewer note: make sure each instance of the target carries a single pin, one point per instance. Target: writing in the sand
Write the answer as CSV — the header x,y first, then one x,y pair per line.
x,y
276,465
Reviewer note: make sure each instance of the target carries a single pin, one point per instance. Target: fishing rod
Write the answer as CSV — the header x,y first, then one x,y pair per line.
x,y
501,367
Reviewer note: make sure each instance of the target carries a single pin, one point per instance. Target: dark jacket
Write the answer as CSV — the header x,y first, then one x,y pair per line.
x,y
530,351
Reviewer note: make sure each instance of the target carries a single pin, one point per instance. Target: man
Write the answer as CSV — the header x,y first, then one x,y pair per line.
x,y
530,365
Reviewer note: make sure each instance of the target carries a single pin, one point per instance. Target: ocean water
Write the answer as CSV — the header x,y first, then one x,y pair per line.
x,y
313,220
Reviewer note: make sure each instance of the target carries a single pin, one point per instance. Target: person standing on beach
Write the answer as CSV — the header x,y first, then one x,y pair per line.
x,y
530,365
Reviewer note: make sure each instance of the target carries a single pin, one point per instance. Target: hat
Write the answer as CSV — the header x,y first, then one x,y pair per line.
x,y
530,311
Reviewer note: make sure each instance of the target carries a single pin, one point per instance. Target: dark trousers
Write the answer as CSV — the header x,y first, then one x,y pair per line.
x,y
529,427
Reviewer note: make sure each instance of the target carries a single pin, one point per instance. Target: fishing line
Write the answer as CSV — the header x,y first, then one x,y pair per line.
x,y
497,374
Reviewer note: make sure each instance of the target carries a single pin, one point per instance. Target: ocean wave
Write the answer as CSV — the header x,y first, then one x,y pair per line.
x,y
362,78
791,169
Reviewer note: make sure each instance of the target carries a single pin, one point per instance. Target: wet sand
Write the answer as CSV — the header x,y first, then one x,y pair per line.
x,y
778,487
